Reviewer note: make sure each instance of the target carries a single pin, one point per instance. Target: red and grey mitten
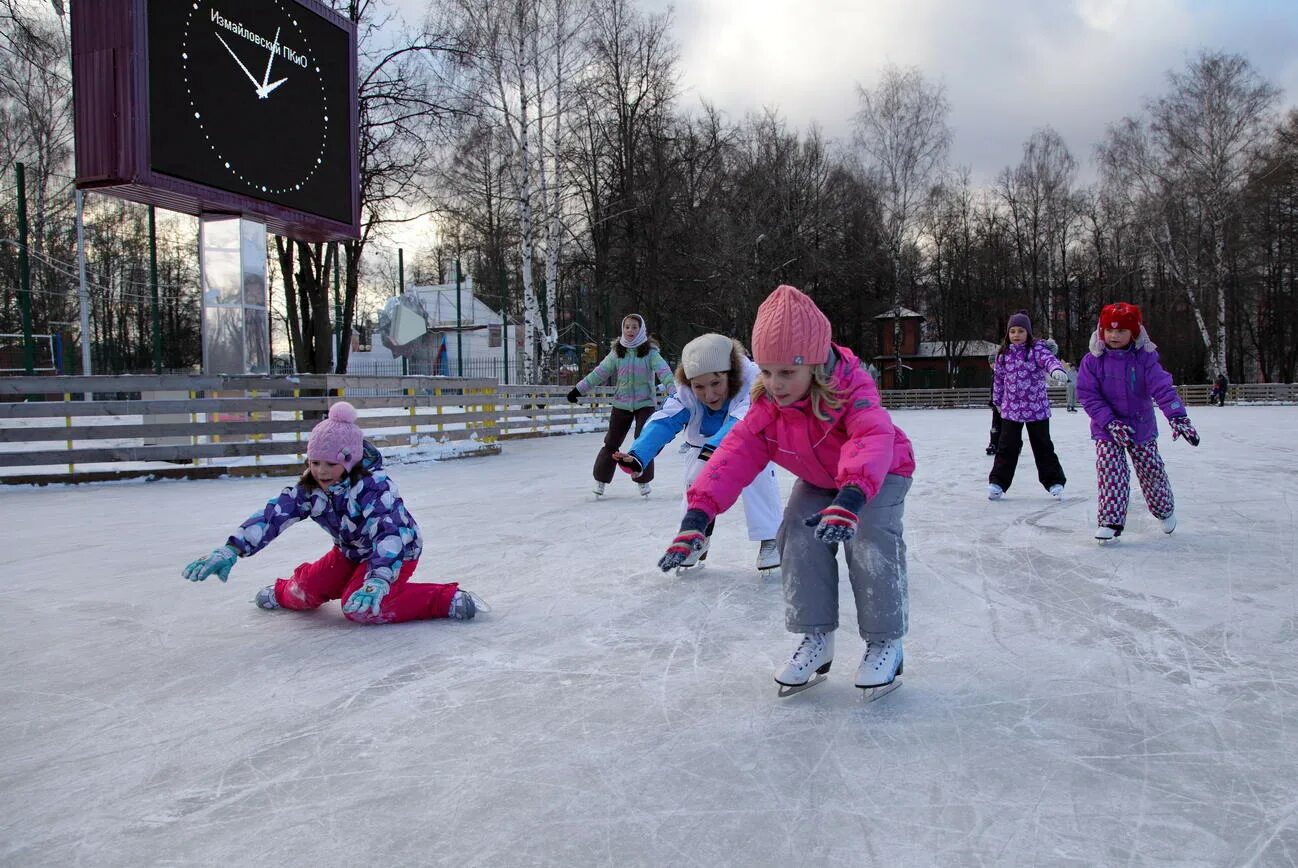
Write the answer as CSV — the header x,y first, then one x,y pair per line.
x,y
1122,433
1181,427
837,522
689,539
628,462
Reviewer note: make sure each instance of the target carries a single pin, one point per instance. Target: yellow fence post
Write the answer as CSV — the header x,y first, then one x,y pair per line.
x,y
437,409
297,417
67,399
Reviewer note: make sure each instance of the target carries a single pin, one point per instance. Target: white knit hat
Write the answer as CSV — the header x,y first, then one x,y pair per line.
x,y
706,354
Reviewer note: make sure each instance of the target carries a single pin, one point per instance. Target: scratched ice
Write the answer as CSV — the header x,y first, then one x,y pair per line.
x,y
1064,703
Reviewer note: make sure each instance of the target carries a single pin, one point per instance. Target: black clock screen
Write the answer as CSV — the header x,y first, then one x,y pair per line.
x,y
251,97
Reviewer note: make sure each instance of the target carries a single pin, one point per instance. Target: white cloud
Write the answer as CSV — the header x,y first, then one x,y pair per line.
x,y
1009,67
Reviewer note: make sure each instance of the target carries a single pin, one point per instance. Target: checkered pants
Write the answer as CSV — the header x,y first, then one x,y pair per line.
x,y
1115,480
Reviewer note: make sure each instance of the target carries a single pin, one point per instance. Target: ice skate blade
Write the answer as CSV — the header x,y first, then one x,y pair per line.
x,y
680,571
769,572
787,690
870,694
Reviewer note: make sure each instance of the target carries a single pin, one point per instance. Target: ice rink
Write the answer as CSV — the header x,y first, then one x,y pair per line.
x,y
1064,703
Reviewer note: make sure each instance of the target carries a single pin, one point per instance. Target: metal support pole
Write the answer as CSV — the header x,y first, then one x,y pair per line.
x,y
504,326
24,275
338,311
459,325
153,291
83,294
401,288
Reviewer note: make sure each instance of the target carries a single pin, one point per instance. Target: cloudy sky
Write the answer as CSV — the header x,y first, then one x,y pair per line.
x,y
1009,66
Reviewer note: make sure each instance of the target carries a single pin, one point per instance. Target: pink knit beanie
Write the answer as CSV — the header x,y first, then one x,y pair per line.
x,y
337,438
790,330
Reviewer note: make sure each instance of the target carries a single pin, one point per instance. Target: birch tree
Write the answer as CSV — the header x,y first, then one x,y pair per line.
x,y
1187,167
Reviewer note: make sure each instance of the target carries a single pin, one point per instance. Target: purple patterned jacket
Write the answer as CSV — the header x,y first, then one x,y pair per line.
x,y
367,520
1020,385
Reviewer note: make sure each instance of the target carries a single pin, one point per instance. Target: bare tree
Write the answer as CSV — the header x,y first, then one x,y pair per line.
x,y
1038,196
1187,168
901,128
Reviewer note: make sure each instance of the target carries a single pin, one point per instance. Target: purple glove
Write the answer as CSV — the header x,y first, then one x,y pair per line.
x,y
1181,427
1122,433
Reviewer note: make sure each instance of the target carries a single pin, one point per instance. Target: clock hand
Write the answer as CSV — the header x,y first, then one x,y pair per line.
x,y
269,60
238,61
266,89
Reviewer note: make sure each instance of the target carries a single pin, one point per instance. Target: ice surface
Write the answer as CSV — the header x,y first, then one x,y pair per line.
x,y
1064,703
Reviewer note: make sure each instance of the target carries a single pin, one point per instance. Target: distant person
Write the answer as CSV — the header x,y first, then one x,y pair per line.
x,y
816,412
1119,382
634,363
1070,391
1219,387
1019,392
377,544
995,433
714,379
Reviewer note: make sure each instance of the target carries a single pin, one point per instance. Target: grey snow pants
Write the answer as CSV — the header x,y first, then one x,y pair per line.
x,y
876,563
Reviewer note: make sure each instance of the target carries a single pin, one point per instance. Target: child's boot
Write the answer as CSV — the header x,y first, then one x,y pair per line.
x,y
1169,523
464,605
813,656
266,599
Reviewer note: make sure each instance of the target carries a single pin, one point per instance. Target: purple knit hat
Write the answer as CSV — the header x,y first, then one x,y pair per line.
x,y
337,438
1022,320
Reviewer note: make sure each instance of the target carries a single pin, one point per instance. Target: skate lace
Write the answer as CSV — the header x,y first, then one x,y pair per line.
x,y
806,650
876,652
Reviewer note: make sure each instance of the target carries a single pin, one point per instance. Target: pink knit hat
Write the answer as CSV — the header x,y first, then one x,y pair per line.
x,y
790,330
337,438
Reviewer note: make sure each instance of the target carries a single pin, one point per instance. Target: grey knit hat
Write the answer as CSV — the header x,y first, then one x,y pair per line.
x,y
706,354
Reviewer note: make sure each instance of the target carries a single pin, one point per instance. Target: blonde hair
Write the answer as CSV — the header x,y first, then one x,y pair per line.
x,y
824,396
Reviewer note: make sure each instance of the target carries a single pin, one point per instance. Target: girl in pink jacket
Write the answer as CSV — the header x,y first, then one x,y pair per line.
x,y
816,413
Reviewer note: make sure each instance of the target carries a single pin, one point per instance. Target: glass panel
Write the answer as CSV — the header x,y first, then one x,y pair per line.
x,y
220,233
223,340
254,262
222,277
257,340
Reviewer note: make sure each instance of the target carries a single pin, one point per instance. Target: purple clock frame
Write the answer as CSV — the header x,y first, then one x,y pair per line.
x,y
110,84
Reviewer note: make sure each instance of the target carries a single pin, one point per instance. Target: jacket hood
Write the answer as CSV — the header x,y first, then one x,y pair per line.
x,y
1142,342
371,458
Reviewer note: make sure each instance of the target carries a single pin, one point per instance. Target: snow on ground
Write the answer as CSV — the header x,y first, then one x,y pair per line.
x,y
1064,703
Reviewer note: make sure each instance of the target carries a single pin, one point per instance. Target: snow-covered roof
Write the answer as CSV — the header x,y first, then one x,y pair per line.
x,y
439,301
893,313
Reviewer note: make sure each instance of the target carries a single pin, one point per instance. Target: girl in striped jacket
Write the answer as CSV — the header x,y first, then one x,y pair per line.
x,y
633,364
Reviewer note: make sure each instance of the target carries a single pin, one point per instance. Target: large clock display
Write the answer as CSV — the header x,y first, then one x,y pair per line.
x,y
251,96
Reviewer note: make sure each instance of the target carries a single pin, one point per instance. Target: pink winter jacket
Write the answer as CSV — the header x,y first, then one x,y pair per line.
x,y
859,446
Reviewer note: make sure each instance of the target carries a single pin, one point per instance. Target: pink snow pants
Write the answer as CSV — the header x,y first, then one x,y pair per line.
x,y
1115,480
334,577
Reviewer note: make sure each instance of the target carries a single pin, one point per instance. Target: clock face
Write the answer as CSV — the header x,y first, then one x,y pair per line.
x,y
250,96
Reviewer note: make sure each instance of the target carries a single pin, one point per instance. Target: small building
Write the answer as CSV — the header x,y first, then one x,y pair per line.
x,y
928,364
454,322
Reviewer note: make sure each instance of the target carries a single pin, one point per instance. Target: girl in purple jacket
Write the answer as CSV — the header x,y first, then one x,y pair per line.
x,y
1119,381
1019,390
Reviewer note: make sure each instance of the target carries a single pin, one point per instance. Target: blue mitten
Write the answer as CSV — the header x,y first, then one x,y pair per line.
x,y
837,522
218,563
368,597
690,539
1122,433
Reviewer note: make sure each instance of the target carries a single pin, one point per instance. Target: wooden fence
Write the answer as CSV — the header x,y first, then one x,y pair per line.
x,y
72,429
